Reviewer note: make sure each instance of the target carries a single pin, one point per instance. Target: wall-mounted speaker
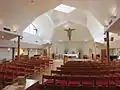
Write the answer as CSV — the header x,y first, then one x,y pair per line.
x,y
112,38
7,29
105,39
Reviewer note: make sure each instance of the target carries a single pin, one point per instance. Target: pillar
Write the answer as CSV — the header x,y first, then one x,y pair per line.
x,y
49,51
13,53
18,53
108,46
28,50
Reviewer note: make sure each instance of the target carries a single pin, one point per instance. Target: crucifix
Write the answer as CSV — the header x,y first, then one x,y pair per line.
x,y
69,33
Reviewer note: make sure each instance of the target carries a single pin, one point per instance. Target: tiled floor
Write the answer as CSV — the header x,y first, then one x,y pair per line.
x,y
56,63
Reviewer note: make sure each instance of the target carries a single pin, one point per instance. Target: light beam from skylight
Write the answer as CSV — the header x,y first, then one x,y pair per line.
x,y
64,8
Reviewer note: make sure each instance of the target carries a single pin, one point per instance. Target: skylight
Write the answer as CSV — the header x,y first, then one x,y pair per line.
x,y
64,8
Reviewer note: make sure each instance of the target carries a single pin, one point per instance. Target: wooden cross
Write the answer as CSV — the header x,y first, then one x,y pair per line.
x,y
69,32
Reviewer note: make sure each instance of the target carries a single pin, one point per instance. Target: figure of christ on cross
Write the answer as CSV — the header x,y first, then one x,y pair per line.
x,y
69,32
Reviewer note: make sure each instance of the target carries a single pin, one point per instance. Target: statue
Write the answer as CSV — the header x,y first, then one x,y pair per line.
x,y
69,32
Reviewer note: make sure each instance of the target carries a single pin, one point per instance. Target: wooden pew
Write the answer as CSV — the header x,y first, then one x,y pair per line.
x,y
56,72
93,79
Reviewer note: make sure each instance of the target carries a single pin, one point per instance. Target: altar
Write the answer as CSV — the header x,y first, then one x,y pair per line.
x,y
73,57
80,60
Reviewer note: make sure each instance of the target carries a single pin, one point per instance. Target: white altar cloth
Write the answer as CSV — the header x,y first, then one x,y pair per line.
x,y
80,59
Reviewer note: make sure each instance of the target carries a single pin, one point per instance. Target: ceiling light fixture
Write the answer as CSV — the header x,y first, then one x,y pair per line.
x,y
85,40
64,8
3,37
60,40
106,23
8,49
15,28
114,12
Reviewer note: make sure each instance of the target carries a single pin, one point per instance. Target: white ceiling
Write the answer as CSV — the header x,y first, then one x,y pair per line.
x,y
101,9
20,13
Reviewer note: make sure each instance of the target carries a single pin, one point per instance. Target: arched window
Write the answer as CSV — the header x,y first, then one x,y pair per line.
x,y
31,29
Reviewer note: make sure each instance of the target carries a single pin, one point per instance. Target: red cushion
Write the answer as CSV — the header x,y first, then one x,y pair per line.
x,y
112,83
101,83
8,77
50,81
87,83
61,82
74,83
21,73
1,76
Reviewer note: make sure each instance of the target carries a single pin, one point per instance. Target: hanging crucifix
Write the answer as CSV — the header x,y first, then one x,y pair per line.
x,y
69,33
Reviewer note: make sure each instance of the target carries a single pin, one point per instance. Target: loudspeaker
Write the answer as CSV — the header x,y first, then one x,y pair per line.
x,y
112,38
105,39
7,29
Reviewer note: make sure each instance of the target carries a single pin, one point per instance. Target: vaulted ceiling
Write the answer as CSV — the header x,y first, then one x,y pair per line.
x,y
89,16
20,13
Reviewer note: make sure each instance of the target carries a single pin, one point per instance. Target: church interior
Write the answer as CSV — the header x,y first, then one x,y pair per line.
x,y
59,44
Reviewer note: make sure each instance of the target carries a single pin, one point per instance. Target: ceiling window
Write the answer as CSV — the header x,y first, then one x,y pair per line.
x,y
65,8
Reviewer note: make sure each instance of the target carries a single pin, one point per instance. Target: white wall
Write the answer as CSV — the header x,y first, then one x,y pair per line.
x,y
80,34
115,44
95,28
33,52
89,48
95,47
5,54
44,26
8,55
99,46
29,38
60,46
74,46
7,43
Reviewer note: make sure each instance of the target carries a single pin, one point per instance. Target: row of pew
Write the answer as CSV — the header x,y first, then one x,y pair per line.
x,y
80,75
10,71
